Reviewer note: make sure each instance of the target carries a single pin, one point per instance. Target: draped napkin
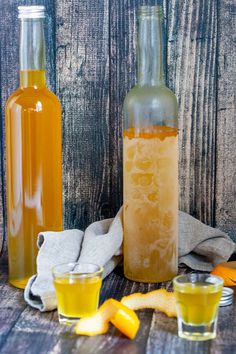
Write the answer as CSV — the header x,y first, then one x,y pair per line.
x,y
201,247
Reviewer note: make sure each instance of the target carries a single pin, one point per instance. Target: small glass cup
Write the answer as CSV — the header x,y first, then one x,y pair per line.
x,y
197,301
77,288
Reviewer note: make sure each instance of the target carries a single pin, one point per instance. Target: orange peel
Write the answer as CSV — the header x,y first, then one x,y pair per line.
x,y
227,271
122,317
161,300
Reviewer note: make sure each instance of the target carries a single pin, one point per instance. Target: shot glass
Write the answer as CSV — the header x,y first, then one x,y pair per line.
x,y
77,288
197,300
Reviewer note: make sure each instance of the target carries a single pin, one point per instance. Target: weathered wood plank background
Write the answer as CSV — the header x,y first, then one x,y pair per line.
x,y
91,59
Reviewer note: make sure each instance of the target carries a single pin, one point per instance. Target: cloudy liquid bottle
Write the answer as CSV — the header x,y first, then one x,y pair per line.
x,y
150,162
33,144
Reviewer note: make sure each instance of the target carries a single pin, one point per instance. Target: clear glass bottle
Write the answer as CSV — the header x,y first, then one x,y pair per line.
x,y
150,148
33,144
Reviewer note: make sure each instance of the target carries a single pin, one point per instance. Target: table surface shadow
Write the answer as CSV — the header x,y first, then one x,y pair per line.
x,y
25,330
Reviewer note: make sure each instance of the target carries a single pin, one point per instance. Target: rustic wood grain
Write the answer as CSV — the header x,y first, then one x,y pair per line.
x,y
9,72
25,330
2,207
91,59
226,125
94,55
192,57
83,88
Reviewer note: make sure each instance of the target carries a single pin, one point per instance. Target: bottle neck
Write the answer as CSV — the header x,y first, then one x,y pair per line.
x,y
150,61
32,53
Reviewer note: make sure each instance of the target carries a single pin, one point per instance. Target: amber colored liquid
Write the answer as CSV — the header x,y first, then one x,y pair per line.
x,y
34,171
197,304
150,203
77,298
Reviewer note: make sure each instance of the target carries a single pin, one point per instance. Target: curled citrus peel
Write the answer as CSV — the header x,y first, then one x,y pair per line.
x,y
161,300
122,315
227,271
112,311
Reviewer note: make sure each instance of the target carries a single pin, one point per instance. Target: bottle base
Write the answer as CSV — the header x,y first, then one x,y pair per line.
x,y
19,283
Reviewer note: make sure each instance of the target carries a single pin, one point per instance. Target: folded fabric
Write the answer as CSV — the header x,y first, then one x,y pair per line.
x,y
99,244
200,247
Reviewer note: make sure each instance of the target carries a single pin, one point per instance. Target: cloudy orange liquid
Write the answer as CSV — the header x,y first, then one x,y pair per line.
x,y
34,172
150,203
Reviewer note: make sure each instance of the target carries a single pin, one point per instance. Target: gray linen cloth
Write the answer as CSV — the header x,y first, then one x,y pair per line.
x,y
200,247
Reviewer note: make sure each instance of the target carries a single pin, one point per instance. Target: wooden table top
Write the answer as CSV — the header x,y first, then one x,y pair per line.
x,y
25,330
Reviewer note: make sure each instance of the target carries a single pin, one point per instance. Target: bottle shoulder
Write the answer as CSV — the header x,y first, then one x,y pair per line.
x,y
154,104
146,94
29,97
14,96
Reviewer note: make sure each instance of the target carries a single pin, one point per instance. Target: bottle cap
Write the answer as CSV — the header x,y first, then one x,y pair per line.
x,y
31,11
226,297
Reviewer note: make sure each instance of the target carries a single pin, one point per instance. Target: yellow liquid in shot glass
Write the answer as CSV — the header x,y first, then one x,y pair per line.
x,y
77,297
197,304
